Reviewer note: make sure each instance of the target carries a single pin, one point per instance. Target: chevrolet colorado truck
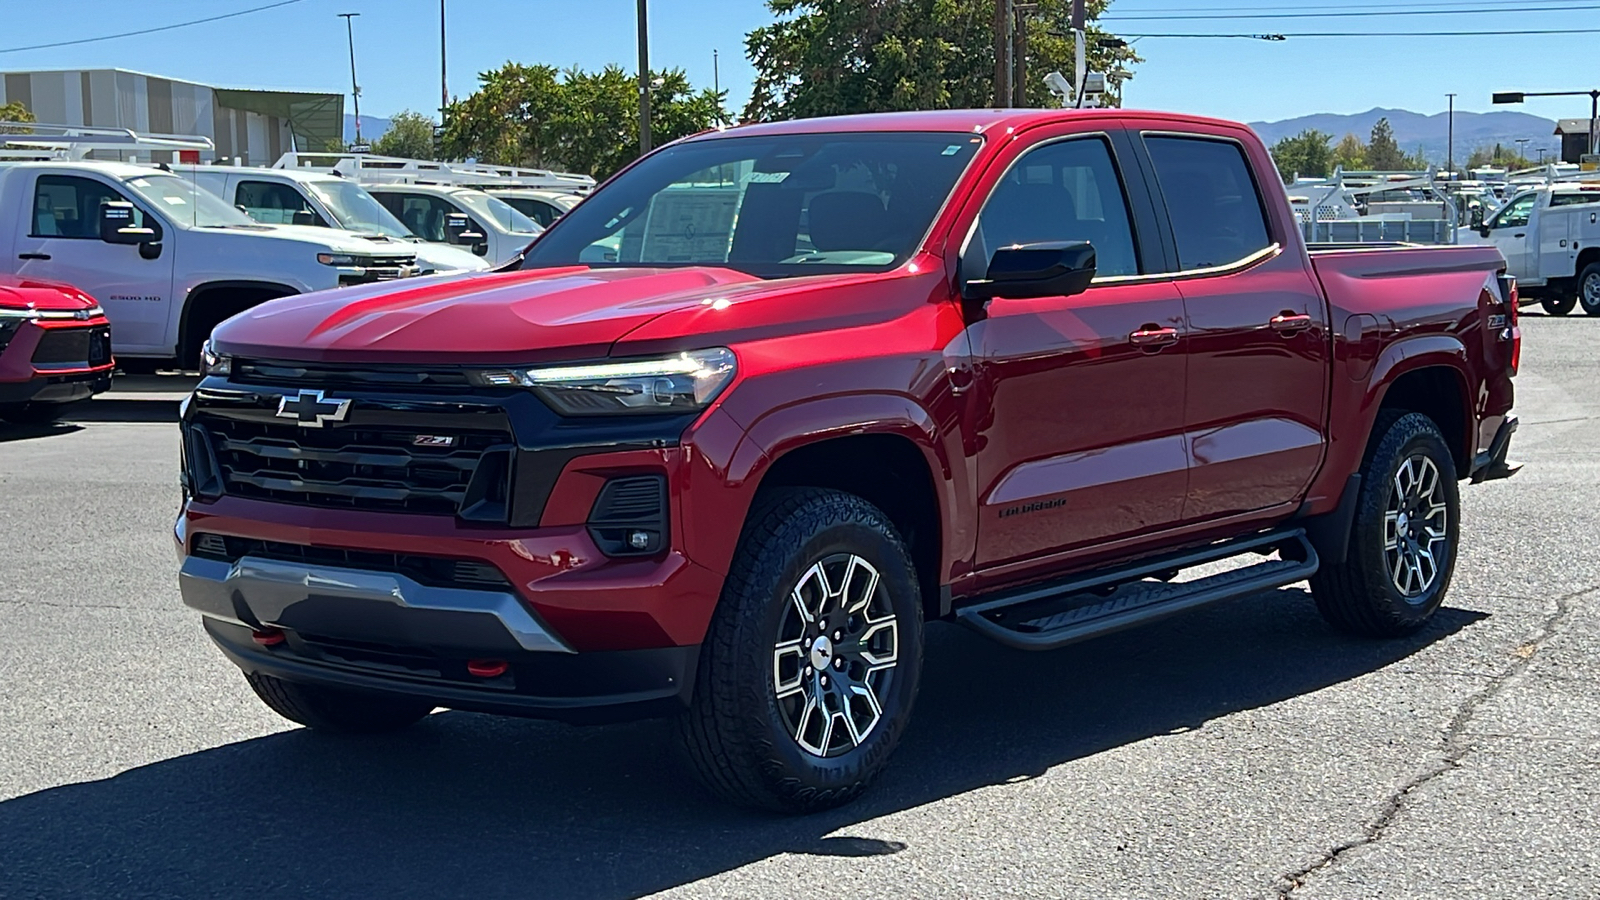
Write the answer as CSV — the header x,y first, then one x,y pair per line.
x,y
774,397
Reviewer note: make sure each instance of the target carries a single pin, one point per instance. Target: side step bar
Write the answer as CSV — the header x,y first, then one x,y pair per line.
x,y
1044,617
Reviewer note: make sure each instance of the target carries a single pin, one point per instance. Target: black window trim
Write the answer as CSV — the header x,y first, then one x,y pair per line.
x,y
1141,247
33,212
1275,240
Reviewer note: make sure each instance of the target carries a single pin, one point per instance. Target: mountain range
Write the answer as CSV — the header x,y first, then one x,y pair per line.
x,y
1430,133
372,128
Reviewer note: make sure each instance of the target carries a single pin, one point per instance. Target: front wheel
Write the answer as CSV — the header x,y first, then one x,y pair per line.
x,y
1403,542
1559,306
1589,288
810,667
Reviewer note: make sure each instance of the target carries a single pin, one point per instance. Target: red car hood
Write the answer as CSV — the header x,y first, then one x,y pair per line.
x,y
17,292
498,318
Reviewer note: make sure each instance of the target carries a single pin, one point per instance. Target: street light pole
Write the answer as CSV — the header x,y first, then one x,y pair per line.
x,y
1594,107
644,79
1450,139
444,89
355,89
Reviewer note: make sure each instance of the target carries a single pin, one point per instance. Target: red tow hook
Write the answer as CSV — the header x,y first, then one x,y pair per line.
x,y
267,637
487,668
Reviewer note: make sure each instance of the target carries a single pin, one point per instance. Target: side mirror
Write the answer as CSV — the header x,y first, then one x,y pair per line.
x,y
460,230
116,225
481,248
304,217
1023,271
1483,230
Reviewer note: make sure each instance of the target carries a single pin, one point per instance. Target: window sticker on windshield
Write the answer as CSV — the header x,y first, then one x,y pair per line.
x,y
175,201
767,177
951,150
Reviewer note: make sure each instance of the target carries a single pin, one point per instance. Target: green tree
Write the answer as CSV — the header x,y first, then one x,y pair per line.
x,y
1350,153
1498,157
573,120
1306,154
831,57
15,112
1383,152
410,135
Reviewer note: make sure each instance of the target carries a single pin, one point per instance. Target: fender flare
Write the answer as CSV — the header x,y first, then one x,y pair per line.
x,y
222,285
1431,351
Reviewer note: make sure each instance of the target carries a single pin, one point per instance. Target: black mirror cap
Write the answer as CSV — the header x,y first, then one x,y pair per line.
x,y
1047,269
481,248
459,229
116,225
304,217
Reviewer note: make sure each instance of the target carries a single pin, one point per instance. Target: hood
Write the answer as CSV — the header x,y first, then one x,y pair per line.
x,y
332,239
492,318
18,292
444,257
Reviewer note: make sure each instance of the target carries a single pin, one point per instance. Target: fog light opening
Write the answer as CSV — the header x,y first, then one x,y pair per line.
x,y
487,668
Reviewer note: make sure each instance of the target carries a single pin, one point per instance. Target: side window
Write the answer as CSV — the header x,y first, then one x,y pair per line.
x,y
1516,215
69,207
1065,191
1212,201
422,214
1574,199
272,203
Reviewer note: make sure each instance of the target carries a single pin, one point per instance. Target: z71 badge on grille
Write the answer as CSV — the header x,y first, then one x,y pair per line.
x,y
433,440
311,410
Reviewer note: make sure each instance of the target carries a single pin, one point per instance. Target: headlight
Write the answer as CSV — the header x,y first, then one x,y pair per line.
x,y
336,259
674,384
214,363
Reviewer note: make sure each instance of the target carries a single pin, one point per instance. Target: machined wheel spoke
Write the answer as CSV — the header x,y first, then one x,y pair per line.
x,y
788,685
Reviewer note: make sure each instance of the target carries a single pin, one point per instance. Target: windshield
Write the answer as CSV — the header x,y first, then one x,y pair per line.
x,y
357,210
498,210
770,206
188,204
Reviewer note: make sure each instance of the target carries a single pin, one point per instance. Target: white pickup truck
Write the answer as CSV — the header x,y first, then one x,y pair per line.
x,y
459,215
299,197
168,261
1550,237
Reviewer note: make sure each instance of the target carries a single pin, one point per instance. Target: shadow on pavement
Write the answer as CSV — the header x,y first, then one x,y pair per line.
x,y
10,432
467,805
111,408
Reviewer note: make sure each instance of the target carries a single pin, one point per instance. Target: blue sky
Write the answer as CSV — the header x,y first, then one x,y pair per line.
x,y
302,46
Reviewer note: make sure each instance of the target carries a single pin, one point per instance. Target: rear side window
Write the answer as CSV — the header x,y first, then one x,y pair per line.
x,y
1216,212
273,203
1575,199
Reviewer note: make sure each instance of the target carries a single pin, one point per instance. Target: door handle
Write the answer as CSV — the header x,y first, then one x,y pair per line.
x,y
1520,234
33,256
1289,323
1153,337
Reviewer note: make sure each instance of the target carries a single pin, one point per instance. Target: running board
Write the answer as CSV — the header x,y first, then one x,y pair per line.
x,y
1044,617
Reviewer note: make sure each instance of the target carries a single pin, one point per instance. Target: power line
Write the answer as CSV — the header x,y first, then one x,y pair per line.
x,y
1367,34
1349,15
112,37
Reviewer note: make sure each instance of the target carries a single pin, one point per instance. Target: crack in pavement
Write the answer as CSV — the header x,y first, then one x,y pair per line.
x,y
1455,746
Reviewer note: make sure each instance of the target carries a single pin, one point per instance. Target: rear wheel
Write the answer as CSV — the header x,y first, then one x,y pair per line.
x,y
1559,306
811,665
1589,288
1403,541
336,710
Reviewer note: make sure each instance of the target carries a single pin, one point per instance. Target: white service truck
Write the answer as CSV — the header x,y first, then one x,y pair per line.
x,y
299,197
167,260
1550,237
459,215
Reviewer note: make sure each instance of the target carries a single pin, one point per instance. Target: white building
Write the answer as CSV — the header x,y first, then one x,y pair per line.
x,y
252,125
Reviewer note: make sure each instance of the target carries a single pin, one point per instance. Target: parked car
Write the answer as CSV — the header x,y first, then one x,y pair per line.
x,y
489,226
543,207
1018,369
291,197
55,348
1550,237
166,259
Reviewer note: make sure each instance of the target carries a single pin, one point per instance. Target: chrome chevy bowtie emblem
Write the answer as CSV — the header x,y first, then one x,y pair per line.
x,y
311,410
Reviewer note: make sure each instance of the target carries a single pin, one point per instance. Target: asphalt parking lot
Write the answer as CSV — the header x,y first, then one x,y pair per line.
x,y
1241,751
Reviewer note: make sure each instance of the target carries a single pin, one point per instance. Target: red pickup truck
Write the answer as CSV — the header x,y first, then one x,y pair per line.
x,y
774,397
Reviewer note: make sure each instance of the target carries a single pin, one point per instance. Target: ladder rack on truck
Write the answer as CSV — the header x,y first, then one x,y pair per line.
x,y
369,169
35,141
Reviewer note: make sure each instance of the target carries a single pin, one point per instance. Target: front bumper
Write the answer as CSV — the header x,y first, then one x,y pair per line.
x,y
54,361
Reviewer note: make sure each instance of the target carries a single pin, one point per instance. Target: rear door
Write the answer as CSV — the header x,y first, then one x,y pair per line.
x,y
61,241
1257,339
1078,399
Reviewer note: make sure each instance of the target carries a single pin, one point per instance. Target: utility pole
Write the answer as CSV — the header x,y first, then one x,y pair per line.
x,y
1002,52
644,78
444,89
716,84
1450,137
355,89
1019,52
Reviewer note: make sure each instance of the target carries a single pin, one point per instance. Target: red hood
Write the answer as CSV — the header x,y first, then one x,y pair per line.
x,y
509,317
17,292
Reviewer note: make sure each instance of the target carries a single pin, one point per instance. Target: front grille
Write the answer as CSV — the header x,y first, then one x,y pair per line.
x,y
64,348
380,469
322,375
469,574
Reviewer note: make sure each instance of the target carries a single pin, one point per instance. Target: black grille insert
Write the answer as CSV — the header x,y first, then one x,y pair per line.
x,y
65,348
323,375
434,571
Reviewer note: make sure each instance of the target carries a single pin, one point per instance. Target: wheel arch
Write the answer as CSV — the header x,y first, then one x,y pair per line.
x,y
1429,375
255,291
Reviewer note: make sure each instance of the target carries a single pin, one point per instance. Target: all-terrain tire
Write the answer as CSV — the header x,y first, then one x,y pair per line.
x,y
740,733
1559,306
336,710
1375,592
1589,288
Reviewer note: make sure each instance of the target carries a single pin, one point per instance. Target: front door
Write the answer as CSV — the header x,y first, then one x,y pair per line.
x,y
1509,231
63,243
1258,339
1082,440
